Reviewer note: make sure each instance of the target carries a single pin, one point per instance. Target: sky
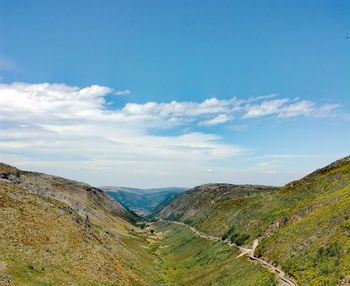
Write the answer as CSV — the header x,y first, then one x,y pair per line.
x,y
174,93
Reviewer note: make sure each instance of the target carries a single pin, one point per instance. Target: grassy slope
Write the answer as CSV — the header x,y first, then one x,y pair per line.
x,y
67,234
215,208
313,243
304,227
189,260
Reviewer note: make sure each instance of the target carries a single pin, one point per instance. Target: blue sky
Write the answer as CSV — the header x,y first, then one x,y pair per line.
x,y
260,89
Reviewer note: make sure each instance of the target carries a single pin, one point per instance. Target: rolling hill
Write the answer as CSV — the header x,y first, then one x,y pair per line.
x,y
303,227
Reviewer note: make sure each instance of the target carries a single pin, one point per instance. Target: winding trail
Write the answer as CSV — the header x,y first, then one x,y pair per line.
x,y
283,279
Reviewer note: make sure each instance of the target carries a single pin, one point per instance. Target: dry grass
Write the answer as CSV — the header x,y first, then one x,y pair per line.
x,y
66,236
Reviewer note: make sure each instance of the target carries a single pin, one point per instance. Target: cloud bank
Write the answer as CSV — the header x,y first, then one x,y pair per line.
x,y
72,128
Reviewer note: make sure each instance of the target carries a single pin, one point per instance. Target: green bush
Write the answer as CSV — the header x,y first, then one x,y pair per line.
x,y
241,239
331,251
234,236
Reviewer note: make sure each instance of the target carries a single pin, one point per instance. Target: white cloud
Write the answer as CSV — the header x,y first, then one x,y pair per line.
x,y
219,119
265,108
286,108
69,130
123,92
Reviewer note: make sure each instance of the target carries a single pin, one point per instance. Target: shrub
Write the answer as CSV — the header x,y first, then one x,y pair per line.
x,y
241,238
224,236
331,251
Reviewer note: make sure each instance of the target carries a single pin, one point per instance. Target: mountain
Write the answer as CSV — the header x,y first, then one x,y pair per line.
x,y
303,227
142,201
208,206
55,231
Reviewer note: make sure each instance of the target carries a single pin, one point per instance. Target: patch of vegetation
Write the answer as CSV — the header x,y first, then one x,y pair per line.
x,y
142,225
234,236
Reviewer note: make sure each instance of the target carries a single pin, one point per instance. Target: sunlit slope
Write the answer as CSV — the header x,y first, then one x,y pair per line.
x,y
215,208
58,232
312,240
304,227
186,259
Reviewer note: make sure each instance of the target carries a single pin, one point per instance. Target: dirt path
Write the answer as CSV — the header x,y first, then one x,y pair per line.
x,y
285,281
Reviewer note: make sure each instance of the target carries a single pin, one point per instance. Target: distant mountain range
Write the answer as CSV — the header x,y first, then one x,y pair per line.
x,y
142,201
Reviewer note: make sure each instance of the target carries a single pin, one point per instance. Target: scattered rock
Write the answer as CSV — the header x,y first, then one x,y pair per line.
x,y
3,266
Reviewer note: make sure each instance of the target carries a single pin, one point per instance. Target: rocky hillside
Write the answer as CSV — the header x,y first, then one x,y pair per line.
x,y
303,227
81,197
59,232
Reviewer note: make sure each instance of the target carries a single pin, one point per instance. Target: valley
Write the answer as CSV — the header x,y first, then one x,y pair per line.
x,y
174,143
55,231
188,259
283,280
143,201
